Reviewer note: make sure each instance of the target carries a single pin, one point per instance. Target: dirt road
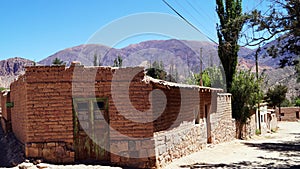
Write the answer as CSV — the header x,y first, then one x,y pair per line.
x,y
276,150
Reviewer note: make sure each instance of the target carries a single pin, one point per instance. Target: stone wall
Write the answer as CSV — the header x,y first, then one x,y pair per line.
x,y
222,125
178,142
249,129
289,113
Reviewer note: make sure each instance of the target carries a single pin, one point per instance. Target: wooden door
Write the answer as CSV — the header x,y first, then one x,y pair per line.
x,y
91,129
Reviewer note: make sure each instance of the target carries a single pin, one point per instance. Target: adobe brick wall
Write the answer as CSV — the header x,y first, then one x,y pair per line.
x,y
19,112
130,139
42,117
289,113
5,112
176,133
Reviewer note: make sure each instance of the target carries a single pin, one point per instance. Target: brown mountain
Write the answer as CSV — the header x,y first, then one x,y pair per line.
x,y
184,55
11,69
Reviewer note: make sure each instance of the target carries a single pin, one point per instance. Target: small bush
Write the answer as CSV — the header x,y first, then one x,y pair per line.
x,y
257,132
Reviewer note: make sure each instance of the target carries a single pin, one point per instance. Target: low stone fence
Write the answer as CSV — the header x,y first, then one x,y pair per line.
x,y
181,141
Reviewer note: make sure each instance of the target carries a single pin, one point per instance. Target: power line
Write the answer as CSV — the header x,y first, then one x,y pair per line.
x,y
199,13
183,18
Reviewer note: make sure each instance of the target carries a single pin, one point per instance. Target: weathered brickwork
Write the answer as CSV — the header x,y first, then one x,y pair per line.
x,y
178,132
19,111
42,112
149,122
288,114
5,111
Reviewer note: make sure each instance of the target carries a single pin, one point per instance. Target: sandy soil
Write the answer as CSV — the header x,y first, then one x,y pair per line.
x,y
276,150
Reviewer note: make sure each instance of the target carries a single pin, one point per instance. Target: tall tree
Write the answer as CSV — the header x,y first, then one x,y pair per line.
x,y
231,24
118,62
245,97
275,96
157,71
95,59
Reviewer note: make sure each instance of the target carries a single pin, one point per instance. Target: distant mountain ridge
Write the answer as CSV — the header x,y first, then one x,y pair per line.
x,y
188,51
11,68
183,54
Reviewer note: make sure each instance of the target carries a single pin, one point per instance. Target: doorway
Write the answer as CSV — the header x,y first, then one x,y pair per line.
x,y
91,129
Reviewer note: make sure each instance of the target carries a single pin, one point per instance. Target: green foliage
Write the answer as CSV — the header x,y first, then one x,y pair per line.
x,y
194,79
118,62
211,77
231,24
275,96
157,71
216,77
286,103
2,89
173,75
297,102
206,79
246,93
257,132
57,62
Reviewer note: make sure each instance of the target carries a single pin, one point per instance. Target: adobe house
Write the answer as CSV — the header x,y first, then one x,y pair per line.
x,y
115,115
267,121
288,114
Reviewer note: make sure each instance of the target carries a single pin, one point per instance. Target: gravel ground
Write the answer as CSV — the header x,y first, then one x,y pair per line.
x,y
276,150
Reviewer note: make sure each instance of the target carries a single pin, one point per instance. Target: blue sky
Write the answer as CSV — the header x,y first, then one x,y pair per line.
x,y
35,29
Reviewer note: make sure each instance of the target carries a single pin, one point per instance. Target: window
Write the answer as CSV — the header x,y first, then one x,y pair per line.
x,y
297,114
281,114
90,111
99,105
82,106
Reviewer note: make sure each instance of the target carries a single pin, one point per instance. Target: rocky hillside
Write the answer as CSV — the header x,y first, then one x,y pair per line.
x,y
136,54
184,55
11,68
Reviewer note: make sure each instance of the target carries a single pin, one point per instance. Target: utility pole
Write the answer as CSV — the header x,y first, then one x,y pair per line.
x,y
258,104
201,64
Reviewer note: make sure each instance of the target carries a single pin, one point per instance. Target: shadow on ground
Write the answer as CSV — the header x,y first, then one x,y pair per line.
x,y
243,164
289,157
